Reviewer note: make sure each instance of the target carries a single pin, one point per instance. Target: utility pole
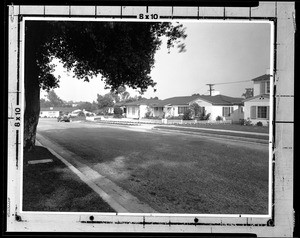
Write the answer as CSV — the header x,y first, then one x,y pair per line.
x,y
210,88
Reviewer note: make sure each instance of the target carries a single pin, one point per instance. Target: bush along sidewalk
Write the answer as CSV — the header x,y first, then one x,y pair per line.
x,y
49,185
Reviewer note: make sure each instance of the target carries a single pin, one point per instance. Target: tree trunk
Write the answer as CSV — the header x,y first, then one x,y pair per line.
x,y
32,89
32,110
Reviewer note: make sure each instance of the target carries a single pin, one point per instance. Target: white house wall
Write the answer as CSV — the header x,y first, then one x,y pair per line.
x,y
143,110
255,102
49,113
139,111
256,88
158,112
130,113
214,111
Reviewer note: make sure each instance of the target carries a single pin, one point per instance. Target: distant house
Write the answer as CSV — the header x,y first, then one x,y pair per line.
x,y
229,108
54,111
257,108
175,106
138,109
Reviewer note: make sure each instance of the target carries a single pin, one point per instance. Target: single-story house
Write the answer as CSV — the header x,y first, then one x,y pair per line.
x,y
139,109
228,108
55,111
257,107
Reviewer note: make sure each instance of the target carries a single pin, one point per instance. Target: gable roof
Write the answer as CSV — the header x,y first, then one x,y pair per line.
x,y
220,100
257,96
223,100
262,78
148,102
185,100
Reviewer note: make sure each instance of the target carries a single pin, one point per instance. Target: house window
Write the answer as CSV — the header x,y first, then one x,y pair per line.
x,y
133,110
227,111
268,87
262,112
265,87
259,112
182,110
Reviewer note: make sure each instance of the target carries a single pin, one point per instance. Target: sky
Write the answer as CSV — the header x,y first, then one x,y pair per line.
x,y
216,53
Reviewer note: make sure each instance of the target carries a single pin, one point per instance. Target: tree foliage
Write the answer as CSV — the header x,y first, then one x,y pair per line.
x,y
87,106
248,93
54,99
105,101
196,109
121,52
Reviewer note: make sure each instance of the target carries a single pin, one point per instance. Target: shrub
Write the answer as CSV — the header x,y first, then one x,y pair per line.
x,y
219,118
206,117
247,122
118,112
259,123
187,115
81,114
148,114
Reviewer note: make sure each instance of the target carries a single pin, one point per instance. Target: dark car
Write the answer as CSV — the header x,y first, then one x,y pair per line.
x,y
64,118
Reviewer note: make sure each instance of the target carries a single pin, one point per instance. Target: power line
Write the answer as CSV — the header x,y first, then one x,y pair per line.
x,y
231,82
212,84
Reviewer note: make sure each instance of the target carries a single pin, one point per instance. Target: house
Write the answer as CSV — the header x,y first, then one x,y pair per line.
x,y
54,111
225,107
257,108
139,109
229,108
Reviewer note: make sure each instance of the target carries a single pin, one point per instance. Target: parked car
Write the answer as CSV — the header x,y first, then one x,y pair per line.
x,y
64,118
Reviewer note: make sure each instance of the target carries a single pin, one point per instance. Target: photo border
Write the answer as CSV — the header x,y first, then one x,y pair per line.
x,y
85,218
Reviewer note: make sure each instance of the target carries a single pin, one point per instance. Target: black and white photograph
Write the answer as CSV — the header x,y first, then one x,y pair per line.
x,y
157,117
151,118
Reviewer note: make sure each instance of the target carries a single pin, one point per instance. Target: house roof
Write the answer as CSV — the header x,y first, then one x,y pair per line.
x,y
185,100
148,102
60,109
257,96
222,100
214,100
262,78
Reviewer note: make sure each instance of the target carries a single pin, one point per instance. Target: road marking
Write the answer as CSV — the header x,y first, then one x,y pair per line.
x,y
118,198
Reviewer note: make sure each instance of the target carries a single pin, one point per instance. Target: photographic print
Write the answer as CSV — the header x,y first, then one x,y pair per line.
x,y
149,117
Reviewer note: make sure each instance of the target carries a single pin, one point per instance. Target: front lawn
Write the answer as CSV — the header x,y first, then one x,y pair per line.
x,y
175,174
233,127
